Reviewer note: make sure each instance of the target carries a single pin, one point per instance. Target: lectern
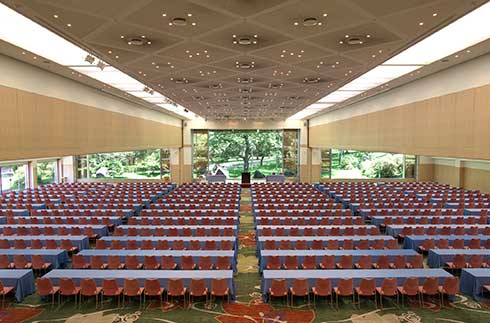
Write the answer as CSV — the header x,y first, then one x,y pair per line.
x,y
245,179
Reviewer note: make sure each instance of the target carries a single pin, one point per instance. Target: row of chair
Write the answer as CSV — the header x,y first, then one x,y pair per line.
x,y
181,221
164,245
150,263
474,243
37,262
72,220
321,231
38,244
436,219
49,231
312,221
445,231
346,262
347,244
475,261
175,232
367,288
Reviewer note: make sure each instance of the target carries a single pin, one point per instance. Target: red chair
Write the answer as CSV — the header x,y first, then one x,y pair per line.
x,y
5,262
197,288
111,289
20,262
45,288
132,262
365,262
100,245
187,263
322,288
222,263
176,289
147,245
344,288
391,244
383,262
345,262
151,263
410,288
219,288
388,289
348,244
78,262
427,245
114,262
450,287
273,263
168,263
309,262
205,263
430,287
132,289
68,288
367,288
68,246
416,261
88,288
474,243
299,288
153,289
96,262
400,262
278,289
291,262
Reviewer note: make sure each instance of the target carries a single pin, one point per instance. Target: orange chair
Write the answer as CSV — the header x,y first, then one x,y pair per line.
x,y
383,262
194,245
219,288
344,288
111,289
365,262
299,288
178,245
430,287
205,263
391,244
176,289
151,263
147,245
322,288
474,243
4,290
327,262
153,289
222,263
187,263
458,244
5,262
68,246
416,261
410,288
367,288
400,262
388,289
100,244
273,263
348,244
132,289
427,245
278,289
114,262
96,262
20,262
45,288
450,287
198,288
88,288
291,262
78,262
132,262
309,262
68,288
345,262
476,261
163,245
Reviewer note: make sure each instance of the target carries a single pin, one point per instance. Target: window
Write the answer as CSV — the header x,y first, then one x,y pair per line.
x,y
46,172
199,154
353,164
140,164
325,163
13,177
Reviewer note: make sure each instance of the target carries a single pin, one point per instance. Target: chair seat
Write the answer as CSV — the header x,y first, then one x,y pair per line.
x,y
97,291
115,292
138,292
402,290
6,290
423,291
321,293
203,294
228,291
382,292
157,293
76,291
360,292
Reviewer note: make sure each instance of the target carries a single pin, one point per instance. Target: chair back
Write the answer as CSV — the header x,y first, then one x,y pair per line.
x,y
411,286
67,286
197,287
345,287
44,286
300,287
367,286
88,287
175,287
152,287
131,287
451,285
389,286
431,285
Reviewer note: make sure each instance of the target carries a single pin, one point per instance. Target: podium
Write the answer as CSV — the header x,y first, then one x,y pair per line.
x,y
245,179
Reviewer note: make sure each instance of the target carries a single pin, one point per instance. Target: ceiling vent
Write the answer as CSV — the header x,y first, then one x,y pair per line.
x,y
179,22
310,22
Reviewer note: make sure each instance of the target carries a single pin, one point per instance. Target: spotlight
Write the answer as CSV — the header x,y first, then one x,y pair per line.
x,y
90,59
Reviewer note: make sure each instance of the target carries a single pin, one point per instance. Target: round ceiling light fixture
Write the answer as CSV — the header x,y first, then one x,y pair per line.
x,y
179,22
137,41
311,80
245,40
355,40
310,22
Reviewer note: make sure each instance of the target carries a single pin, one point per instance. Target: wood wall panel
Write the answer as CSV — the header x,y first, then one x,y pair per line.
x,y
453,125
36,126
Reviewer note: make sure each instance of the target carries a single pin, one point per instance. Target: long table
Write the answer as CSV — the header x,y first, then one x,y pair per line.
x,y
356,254
472,281
115,220
438,257
100,230
141,275
413,242
176,254
356,274
395,229
81,242
21,279
57,257
171,240
378,220
179,228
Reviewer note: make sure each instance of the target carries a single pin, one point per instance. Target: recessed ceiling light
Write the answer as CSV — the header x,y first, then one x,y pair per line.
x,y
164,15
55,16
194,24
434,14
324,15
23,53
68,25
421,23
296,23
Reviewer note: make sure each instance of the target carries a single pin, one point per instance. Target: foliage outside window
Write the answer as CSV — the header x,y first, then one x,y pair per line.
x,y
290,153
199,154
352,164
140,164
46,172
325,163
234,152
165,164
13,177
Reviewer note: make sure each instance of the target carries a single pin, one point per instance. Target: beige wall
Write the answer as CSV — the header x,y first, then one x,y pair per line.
x,y
36,126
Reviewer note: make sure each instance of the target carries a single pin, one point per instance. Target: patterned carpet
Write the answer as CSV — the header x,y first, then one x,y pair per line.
x,y
249,307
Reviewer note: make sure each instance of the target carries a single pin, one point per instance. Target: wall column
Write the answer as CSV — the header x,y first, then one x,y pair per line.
x,y
32,174
69,170
315,167
175,165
